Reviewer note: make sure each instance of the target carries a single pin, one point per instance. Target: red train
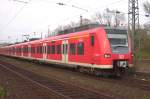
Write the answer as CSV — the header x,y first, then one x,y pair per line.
x,y
97,50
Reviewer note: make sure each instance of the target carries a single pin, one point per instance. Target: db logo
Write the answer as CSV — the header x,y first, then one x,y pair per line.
x,y
121,56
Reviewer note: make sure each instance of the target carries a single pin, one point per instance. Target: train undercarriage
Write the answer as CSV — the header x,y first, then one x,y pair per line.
x,y
118,70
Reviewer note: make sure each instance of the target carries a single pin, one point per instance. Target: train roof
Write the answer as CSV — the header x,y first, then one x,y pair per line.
x,y
70,32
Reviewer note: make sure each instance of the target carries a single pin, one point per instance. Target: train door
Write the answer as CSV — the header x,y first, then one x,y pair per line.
x,y
44,51
65,51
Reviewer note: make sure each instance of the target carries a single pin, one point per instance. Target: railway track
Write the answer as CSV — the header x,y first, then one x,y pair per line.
x,y
129,81
57,87
132,82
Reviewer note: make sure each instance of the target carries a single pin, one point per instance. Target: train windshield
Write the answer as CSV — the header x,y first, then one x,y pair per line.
x,y
118,40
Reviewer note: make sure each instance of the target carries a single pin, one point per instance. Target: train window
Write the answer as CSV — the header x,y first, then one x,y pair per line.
x,y
53,49
33,50
58,49
66,48
92,40
72,49
13,49
41,50
16,49
23,49
44,51
19,50
38,49
48,49
80,47
63,49
26,49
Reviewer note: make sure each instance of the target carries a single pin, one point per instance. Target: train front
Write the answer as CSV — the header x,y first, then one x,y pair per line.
x,y
120,45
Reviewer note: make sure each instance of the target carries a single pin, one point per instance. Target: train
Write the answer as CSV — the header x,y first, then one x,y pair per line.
x,y
98,50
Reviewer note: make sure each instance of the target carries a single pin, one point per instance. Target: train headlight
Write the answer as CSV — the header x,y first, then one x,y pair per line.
x,y
107,55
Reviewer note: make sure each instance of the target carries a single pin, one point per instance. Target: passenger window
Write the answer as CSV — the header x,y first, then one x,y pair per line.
x,y
33,50
66,49
80,47
58,49
45,50
27,49
37,48
63,49
92,40
53,49
72,49
48,49
41,50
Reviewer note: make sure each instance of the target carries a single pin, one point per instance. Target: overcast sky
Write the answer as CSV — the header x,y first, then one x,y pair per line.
x,y
18,18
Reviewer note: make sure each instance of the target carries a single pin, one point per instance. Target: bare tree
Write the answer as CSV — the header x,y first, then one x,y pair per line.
x,y
85,21
68,26
110,17
146,6
103,18
119,18
98,17
59,28
73,24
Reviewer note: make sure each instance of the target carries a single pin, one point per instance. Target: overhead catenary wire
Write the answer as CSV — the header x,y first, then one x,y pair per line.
x,y
16,14
52,2
58,3
21,1
70,5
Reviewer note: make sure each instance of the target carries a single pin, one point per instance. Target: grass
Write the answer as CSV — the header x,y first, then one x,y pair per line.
x,y
3,92
142,54
146,54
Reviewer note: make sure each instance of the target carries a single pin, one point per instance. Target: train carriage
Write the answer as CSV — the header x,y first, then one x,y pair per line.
x,y
94,50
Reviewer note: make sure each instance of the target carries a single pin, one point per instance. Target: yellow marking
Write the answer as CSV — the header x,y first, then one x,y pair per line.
x,y
79,36
68,38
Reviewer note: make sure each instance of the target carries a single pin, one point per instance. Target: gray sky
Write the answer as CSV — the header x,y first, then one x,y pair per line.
x,y
18,18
